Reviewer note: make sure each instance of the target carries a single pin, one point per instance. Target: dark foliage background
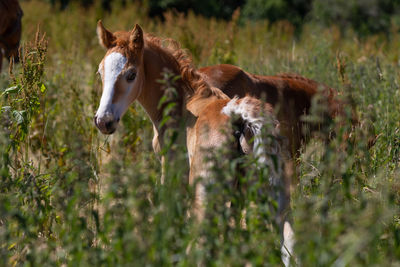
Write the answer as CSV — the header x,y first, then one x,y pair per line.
x,y
364,16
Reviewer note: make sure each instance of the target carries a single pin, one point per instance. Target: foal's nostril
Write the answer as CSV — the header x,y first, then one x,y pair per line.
x,y
109,124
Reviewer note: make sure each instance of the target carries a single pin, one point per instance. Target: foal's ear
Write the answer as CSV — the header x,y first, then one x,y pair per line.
x,y
136,40
106,38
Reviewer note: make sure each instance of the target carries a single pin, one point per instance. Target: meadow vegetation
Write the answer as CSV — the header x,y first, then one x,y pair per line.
x,y
72,196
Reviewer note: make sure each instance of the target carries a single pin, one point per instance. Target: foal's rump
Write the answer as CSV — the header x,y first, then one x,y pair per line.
x,y
237,124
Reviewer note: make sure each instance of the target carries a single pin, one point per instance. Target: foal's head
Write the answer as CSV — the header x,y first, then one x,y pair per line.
x,y
122,74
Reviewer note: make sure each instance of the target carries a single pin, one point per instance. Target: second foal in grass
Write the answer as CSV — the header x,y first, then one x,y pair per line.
x,y
131,69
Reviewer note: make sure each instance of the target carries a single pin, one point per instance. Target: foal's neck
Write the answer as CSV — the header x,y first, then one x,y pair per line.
x,y
155,64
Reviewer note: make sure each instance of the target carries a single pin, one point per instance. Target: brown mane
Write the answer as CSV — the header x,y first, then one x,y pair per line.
x,y
195,84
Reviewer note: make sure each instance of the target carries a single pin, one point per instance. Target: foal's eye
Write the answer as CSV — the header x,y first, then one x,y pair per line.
x,y
131,76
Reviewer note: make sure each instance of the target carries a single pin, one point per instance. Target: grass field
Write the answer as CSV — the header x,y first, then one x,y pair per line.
x,y
72,196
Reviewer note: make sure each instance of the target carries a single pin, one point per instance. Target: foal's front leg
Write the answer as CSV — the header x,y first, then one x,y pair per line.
x,y
157,149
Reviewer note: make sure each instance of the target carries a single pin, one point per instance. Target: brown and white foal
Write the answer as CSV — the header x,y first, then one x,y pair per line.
x,y
133,64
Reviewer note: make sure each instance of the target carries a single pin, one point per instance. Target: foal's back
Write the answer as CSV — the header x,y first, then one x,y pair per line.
x,y
289,94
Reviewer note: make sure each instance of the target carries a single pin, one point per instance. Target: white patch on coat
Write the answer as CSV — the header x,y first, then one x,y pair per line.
x,y
245,110
114,63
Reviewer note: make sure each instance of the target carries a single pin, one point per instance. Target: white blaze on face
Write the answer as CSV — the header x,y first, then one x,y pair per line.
x,y
114,63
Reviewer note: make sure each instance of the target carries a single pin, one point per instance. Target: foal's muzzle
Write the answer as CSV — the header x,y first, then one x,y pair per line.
x,y
107,124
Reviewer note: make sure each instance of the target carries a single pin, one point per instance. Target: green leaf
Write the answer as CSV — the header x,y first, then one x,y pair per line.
x,y
12,245
11,90
42,88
